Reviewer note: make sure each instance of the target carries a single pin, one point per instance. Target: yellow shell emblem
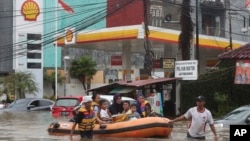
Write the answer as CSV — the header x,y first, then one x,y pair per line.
x,y
69,35
30,10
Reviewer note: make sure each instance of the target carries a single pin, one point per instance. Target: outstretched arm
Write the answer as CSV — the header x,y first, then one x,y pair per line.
x,y
180,118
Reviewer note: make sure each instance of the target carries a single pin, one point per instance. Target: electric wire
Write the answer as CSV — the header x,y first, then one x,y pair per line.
x,y
90,23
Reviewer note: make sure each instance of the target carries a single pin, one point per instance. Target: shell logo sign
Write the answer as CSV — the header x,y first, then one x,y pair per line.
x,y
30,10
69,35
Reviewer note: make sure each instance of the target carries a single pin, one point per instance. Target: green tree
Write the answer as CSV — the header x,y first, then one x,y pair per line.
x,y
186,30
83,68
20,83
49,80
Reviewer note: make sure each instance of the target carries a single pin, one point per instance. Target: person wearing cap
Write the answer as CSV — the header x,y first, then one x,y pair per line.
x,y
85,119
199,116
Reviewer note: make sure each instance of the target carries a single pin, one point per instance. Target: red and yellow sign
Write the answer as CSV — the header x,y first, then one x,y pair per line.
x,y
69,35
30,10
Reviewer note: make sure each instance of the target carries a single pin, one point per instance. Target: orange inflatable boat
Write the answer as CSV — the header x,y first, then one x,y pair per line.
x,y
137,128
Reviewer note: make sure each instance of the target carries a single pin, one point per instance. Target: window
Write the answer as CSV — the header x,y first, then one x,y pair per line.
x,y
34,55
34,46
34,65
45,103
34,36
67,102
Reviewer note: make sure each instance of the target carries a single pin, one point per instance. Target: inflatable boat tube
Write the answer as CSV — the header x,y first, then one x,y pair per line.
x,y
136,128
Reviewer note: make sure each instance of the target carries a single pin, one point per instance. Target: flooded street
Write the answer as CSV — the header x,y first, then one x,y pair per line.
x,y
32,126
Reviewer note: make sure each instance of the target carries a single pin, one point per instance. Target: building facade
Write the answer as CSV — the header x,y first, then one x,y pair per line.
x,y
30,43
6,37
28,40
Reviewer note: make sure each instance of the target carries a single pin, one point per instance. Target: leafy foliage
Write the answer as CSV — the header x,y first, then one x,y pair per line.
x,y
222,95
83,68
49,80
20,83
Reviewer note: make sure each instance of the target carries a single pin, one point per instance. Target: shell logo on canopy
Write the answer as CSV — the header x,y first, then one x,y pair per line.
x,y
30,10
70,36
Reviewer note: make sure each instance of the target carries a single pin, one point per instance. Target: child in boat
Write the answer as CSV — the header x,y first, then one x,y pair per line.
x,y
134,114
105,115
126,107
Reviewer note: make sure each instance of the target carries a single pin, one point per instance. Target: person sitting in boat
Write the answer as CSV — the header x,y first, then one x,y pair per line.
x,y
134,114
126,107
96,97
85,119
144,108
116,106
105,115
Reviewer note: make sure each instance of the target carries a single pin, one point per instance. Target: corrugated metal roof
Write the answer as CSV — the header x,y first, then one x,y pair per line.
x,y
138,83
122,90
242,52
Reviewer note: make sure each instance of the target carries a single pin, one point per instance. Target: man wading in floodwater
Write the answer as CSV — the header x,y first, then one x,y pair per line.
x,y
85,119
200,116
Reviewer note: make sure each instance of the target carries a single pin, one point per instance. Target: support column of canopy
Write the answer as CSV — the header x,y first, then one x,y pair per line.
x,y
126,59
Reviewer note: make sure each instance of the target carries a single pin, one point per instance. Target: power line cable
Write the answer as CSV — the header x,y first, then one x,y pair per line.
x,y
112,11
10,28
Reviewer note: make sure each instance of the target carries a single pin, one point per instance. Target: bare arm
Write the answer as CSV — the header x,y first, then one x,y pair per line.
x,y
73,128
180,118
98,119
214,131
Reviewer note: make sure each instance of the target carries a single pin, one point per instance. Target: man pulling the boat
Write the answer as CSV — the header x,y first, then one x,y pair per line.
x,y
200,116
85,119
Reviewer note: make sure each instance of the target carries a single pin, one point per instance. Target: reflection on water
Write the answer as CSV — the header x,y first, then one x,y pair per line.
x,y
32,126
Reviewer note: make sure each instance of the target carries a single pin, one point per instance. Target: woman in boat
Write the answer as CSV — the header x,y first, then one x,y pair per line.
x,y
116,106
143,106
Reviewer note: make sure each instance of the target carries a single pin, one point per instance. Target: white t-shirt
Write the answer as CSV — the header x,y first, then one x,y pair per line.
x,y
104,113
199,120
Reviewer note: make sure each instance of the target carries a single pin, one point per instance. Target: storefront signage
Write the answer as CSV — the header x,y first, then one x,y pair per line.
x,y
187,70
168,63
242,72
116,60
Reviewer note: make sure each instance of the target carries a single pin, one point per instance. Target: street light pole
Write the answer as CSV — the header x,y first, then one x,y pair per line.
x,y
56,49
65,72
65,78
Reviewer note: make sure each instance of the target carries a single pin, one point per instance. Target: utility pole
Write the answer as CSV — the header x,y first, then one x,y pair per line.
x,y
230,25
197,33
197,29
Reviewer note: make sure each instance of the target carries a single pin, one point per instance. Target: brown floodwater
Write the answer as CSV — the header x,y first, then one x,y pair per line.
x,y
32,126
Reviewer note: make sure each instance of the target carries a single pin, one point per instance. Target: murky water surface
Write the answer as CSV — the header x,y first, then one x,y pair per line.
x,y
32,126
